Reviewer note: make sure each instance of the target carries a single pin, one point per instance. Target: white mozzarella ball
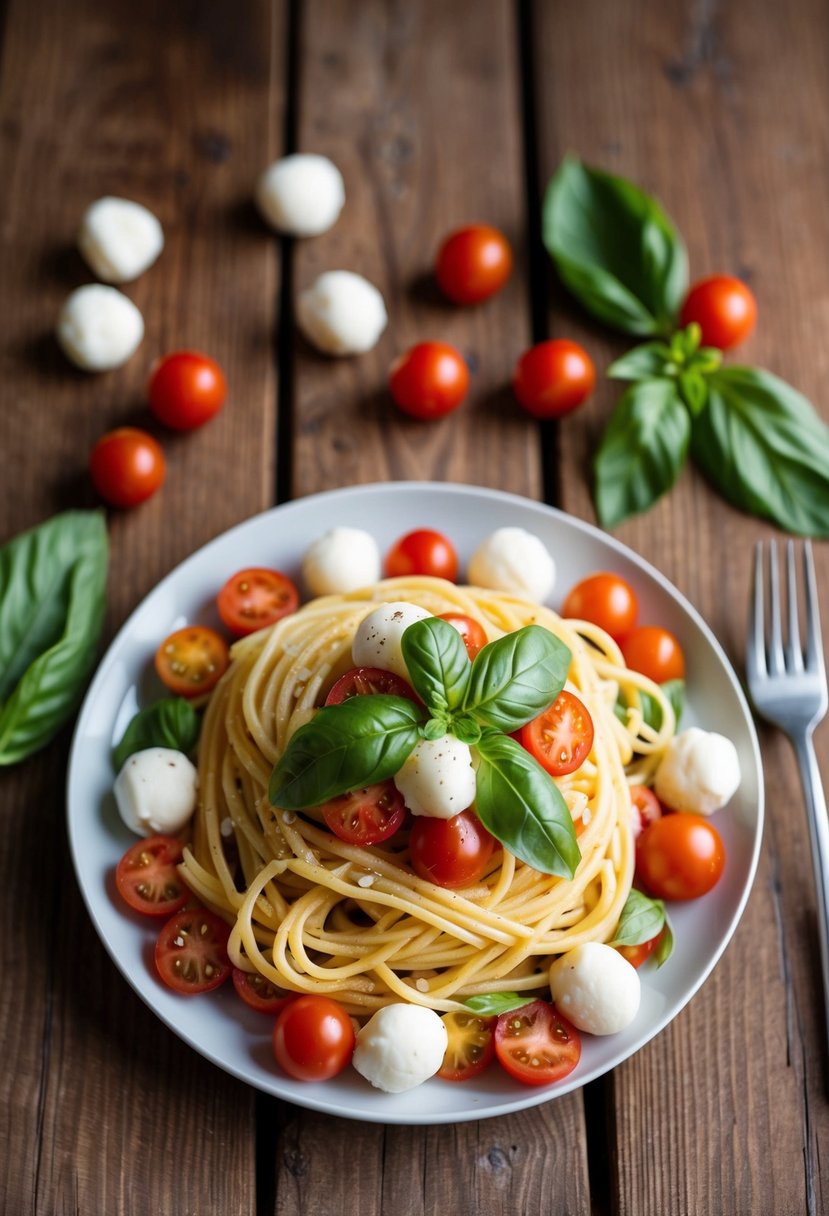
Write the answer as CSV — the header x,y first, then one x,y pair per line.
x,y
156,791
515,561
99,328
342,313
595,988
379,636
119,239
301,195
400,1046
700,771
437,778
344,559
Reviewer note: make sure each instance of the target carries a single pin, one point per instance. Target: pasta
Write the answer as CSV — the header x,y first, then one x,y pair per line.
x,y
312,913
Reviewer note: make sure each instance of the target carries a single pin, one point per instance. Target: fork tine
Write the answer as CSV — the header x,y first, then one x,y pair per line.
x,y
777,663
794,652
756,648
814,646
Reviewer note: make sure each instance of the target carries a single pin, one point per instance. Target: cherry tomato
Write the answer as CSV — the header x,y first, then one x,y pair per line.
x,y
606,600
561,737
127,466
471,1045
147,878
192,660
654,652
472,632
723,307
313,1038
423,551
450,852
637,955
366,816
646,808
186,389
254,598
260,994
191,951
473,263
680,856
553,378
429,380
536,1045
365,681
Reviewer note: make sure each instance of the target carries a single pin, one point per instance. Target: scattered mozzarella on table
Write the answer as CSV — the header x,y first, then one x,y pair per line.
x,y
515,561
595,988
401,1046
341,560
341,313
437,778
301,195
99,328
119,239
378,639
156,791
699,772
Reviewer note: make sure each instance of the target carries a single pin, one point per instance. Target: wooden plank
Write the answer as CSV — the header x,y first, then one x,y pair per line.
x,y
178,107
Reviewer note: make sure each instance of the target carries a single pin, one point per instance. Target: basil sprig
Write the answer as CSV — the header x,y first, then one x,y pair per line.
x,y
171,722
641,920
493,1004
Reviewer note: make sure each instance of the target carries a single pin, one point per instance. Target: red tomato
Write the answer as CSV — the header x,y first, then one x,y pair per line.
x,y
422,552
191,951
646,806
429,380
147,878
606,600
473,263
472,632
536,1045
254,598
637,955
260,994
192,660
471,1045
367,816
561,737
313,1038
723,307
365,681
450,852
680,856
127,466
553,378
186,389
654,652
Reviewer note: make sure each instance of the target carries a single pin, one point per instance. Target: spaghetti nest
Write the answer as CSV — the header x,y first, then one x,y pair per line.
x,y
311,913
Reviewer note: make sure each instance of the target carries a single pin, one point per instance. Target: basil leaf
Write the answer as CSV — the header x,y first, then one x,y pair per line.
x,y
694,390
52,601
762,445
466,729
517,677
438,664
645,362
615,248
172,722
674,690
521,805
492,1004
345,747
642,450
665,946
435,728
641,919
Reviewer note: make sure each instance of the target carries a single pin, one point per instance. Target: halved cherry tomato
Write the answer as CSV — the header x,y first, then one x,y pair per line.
x,y
606,600
191,951
472,632
646,808
364,681
536,1045
127,466
553,378
192,660
260,994
186,389
561,737
423,551
471,1045
366,816
723,307
254,598
313,1038
473,263
637,955
654,652
680,856
147,878
450,852
429,380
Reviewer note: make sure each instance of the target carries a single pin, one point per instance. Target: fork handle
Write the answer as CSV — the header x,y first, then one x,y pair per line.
x,y
819,836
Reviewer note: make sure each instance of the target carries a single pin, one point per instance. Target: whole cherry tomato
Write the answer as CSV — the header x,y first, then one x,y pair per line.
x,y
423,551
186,389
553,378
680,856
127,466
429,380
313,1038
473,263
723,307
450,852
654,652
606,600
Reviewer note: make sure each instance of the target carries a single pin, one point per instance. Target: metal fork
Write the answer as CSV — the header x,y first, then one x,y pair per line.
x,y
787,684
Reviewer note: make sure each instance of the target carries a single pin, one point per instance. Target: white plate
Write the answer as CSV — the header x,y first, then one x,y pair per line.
x,y
218,1025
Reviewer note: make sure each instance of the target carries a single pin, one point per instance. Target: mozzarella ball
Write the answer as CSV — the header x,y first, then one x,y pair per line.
x,y
344,559
99,328
700,771
156,791
379,636
515,561
342,313
595,988
301,195
437,778
119,239
400,1046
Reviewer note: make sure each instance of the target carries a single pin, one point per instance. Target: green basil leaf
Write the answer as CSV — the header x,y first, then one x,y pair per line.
x,y
516,677
493,1004
685,342
762,445
435,728
438,664
172,722
641,919
694,390
645,362
706,360
674,690
466,729
642,450
665,946
521,805
52,601
345,747
615,248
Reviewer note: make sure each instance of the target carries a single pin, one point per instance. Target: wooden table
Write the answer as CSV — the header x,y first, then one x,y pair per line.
x,y
437,114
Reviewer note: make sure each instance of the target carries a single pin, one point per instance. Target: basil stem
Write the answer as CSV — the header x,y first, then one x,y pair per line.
x,y
516,678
